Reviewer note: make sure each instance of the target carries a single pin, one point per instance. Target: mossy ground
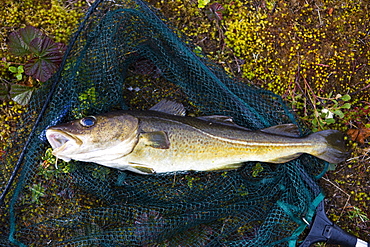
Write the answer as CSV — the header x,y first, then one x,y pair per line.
x,y
302,50
57,19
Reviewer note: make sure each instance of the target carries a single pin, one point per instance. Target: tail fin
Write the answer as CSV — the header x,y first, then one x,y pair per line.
x,y
334,148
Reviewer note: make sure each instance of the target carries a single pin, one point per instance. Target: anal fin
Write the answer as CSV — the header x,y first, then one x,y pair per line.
x,y
142,169
231,166
284,159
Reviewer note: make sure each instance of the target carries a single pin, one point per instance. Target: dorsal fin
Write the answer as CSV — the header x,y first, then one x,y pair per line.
x,y
290,130
170,107
217,118
225,120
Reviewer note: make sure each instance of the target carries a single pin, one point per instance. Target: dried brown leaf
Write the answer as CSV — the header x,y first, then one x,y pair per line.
x,y
359,135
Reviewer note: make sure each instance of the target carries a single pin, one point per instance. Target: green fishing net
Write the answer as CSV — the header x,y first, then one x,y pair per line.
x,y
124,55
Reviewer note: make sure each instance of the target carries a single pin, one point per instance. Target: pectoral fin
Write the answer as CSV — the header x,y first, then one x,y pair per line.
x,y
156,139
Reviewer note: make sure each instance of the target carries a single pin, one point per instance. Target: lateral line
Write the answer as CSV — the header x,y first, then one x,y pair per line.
x,y
247,143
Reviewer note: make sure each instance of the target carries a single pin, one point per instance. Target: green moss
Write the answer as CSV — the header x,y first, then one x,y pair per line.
x,y
10,114
56,18
300,46
302,50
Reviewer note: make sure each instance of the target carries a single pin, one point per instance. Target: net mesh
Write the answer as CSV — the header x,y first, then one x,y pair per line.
x,y
125,56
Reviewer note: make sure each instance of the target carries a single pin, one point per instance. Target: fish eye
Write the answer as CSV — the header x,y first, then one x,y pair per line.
x,y
88,121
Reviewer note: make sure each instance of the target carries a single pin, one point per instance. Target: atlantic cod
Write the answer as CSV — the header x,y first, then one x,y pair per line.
x,y
163,139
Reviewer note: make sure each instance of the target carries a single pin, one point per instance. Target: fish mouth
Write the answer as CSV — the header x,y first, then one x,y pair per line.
x,y
61,141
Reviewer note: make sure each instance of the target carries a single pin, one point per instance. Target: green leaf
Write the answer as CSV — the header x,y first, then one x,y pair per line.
x,y
20,69
339,113
345,97
13,69
329,121
324,114
257,169
332,167
198,51
202,3
346,106
21,94
314,122
17,71
19,76
321,122
20,40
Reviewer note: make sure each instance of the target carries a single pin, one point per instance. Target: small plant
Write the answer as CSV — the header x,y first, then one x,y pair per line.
x,y
327,109
37,191
357,213
198,51
17,71
101,173
51,166
242,190
214,11
191,180
88,100
43,58
257,169
8,89
44,54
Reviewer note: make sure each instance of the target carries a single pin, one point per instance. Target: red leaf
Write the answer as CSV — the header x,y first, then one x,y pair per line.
x,y
20,40
359,135
48,57
43,46
216,8
42,68
330,11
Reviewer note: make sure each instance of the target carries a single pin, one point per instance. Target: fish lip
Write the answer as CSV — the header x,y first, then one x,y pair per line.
x,y
58,139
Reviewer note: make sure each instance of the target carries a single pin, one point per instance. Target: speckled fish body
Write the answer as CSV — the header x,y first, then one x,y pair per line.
x,y
164,140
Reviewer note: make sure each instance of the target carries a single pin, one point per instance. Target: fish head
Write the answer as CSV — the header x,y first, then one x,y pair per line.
x,y
94,137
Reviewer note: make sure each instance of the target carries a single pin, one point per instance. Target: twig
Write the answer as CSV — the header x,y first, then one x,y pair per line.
x,y
348,196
